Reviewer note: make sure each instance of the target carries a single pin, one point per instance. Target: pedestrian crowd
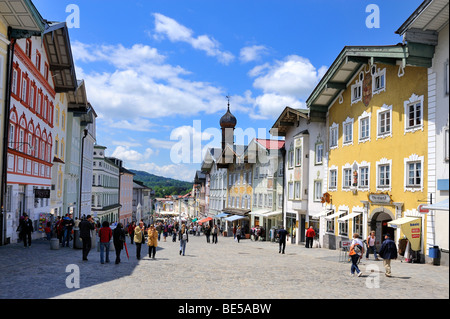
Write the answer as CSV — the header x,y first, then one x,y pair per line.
x,y
140,234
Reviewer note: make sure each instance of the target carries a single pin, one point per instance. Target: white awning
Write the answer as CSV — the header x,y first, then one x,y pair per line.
x,y
273,214
443,205
320,214
350,216
330,217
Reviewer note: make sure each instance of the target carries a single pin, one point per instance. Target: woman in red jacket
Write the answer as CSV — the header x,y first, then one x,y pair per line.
x,y
105,234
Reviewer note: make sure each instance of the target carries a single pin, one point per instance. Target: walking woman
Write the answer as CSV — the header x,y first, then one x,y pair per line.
x,y
183,237
152,241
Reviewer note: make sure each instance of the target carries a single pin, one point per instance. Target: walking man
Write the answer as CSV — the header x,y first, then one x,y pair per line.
x,y
26,228
310,233
388,252
282,234
86,226
215,231
68,224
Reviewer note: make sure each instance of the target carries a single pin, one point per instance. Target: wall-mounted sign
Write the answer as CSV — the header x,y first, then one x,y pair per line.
x,y
380,198
41,193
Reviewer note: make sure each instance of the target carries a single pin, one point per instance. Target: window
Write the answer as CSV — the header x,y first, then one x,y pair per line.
x,y
358,224
333,179
319,154
385,123
38,61
347,178
24,90
12,130
414,173
298,156
46,71
447,79
297,190
318,190
357,89
334,132
343,225
291,190
364,127
414,113
270,200
378,80
363,173
28,48
255,200
384,176
32,97
14,82
330,223
280,201
237,201
291,158
348,133
446,145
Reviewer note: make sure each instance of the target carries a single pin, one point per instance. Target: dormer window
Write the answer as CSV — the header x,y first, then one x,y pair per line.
x,y
378,80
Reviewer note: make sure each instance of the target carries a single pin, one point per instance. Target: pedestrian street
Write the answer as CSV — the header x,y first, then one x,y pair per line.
x,y
226,270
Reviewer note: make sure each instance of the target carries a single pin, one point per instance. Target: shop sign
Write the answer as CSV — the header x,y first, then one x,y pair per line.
x,y
41,193
420,209
380,198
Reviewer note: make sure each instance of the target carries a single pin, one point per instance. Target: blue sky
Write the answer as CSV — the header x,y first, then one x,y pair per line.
x,y
158,71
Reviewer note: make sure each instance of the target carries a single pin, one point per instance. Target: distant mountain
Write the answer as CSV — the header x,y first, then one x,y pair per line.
x,y
162,185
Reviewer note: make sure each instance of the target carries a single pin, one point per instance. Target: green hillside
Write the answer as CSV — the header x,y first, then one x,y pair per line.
x,y
162,185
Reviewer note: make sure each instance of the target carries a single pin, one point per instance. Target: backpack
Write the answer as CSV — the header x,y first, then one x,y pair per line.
x,y
357,248
184,236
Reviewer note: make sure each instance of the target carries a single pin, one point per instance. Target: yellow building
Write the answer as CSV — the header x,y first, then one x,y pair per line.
x,y
374,101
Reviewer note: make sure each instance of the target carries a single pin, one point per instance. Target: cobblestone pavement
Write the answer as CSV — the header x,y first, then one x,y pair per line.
x,y
226,270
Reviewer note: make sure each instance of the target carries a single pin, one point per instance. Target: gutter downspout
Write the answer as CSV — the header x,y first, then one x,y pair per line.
x,y
7,109
85,131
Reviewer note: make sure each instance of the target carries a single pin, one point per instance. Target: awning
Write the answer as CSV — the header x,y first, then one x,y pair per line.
x,y
204,220
234,217
321,214
273,214
411,227
260,212
443,205
194,220
401,221
221,215
330,217
350,216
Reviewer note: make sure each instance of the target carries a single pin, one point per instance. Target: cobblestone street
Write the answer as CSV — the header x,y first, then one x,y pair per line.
x,y
227,270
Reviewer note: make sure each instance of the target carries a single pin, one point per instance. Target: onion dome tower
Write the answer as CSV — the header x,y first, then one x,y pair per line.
x,y
227,123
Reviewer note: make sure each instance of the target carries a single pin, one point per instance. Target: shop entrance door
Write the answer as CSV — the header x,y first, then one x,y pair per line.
x,y
379,223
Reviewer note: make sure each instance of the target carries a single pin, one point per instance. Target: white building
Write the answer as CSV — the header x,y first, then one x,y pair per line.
x,y
217,181
428,27
266,178
305,171
105,187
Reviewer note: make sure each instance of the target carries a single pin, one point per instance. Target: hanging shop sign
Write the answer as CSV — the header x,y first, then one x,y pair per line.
x,y
380,198
41,193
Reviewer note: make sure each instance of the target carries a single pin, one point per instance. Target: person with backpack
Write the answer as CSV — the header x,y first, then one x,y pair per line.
x,y
183,237
388,252
356,252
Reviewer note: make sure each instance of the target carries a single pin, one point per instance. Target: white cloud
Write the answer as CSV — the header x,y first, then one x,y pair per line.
x,y
283,83
175,32
141,86
252,53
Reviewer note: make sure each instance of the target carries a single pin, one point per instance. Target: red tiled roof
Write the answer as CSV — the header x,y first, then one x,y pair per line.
x,y
270,144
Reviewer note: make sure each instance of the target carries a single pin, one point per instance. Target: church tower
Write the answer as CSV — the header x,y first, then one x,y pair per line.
x,y
227,123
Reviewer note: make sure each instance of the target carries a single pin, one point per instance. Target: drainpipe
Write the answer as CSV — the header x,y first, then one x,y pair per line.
x,y
85,131
7,108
